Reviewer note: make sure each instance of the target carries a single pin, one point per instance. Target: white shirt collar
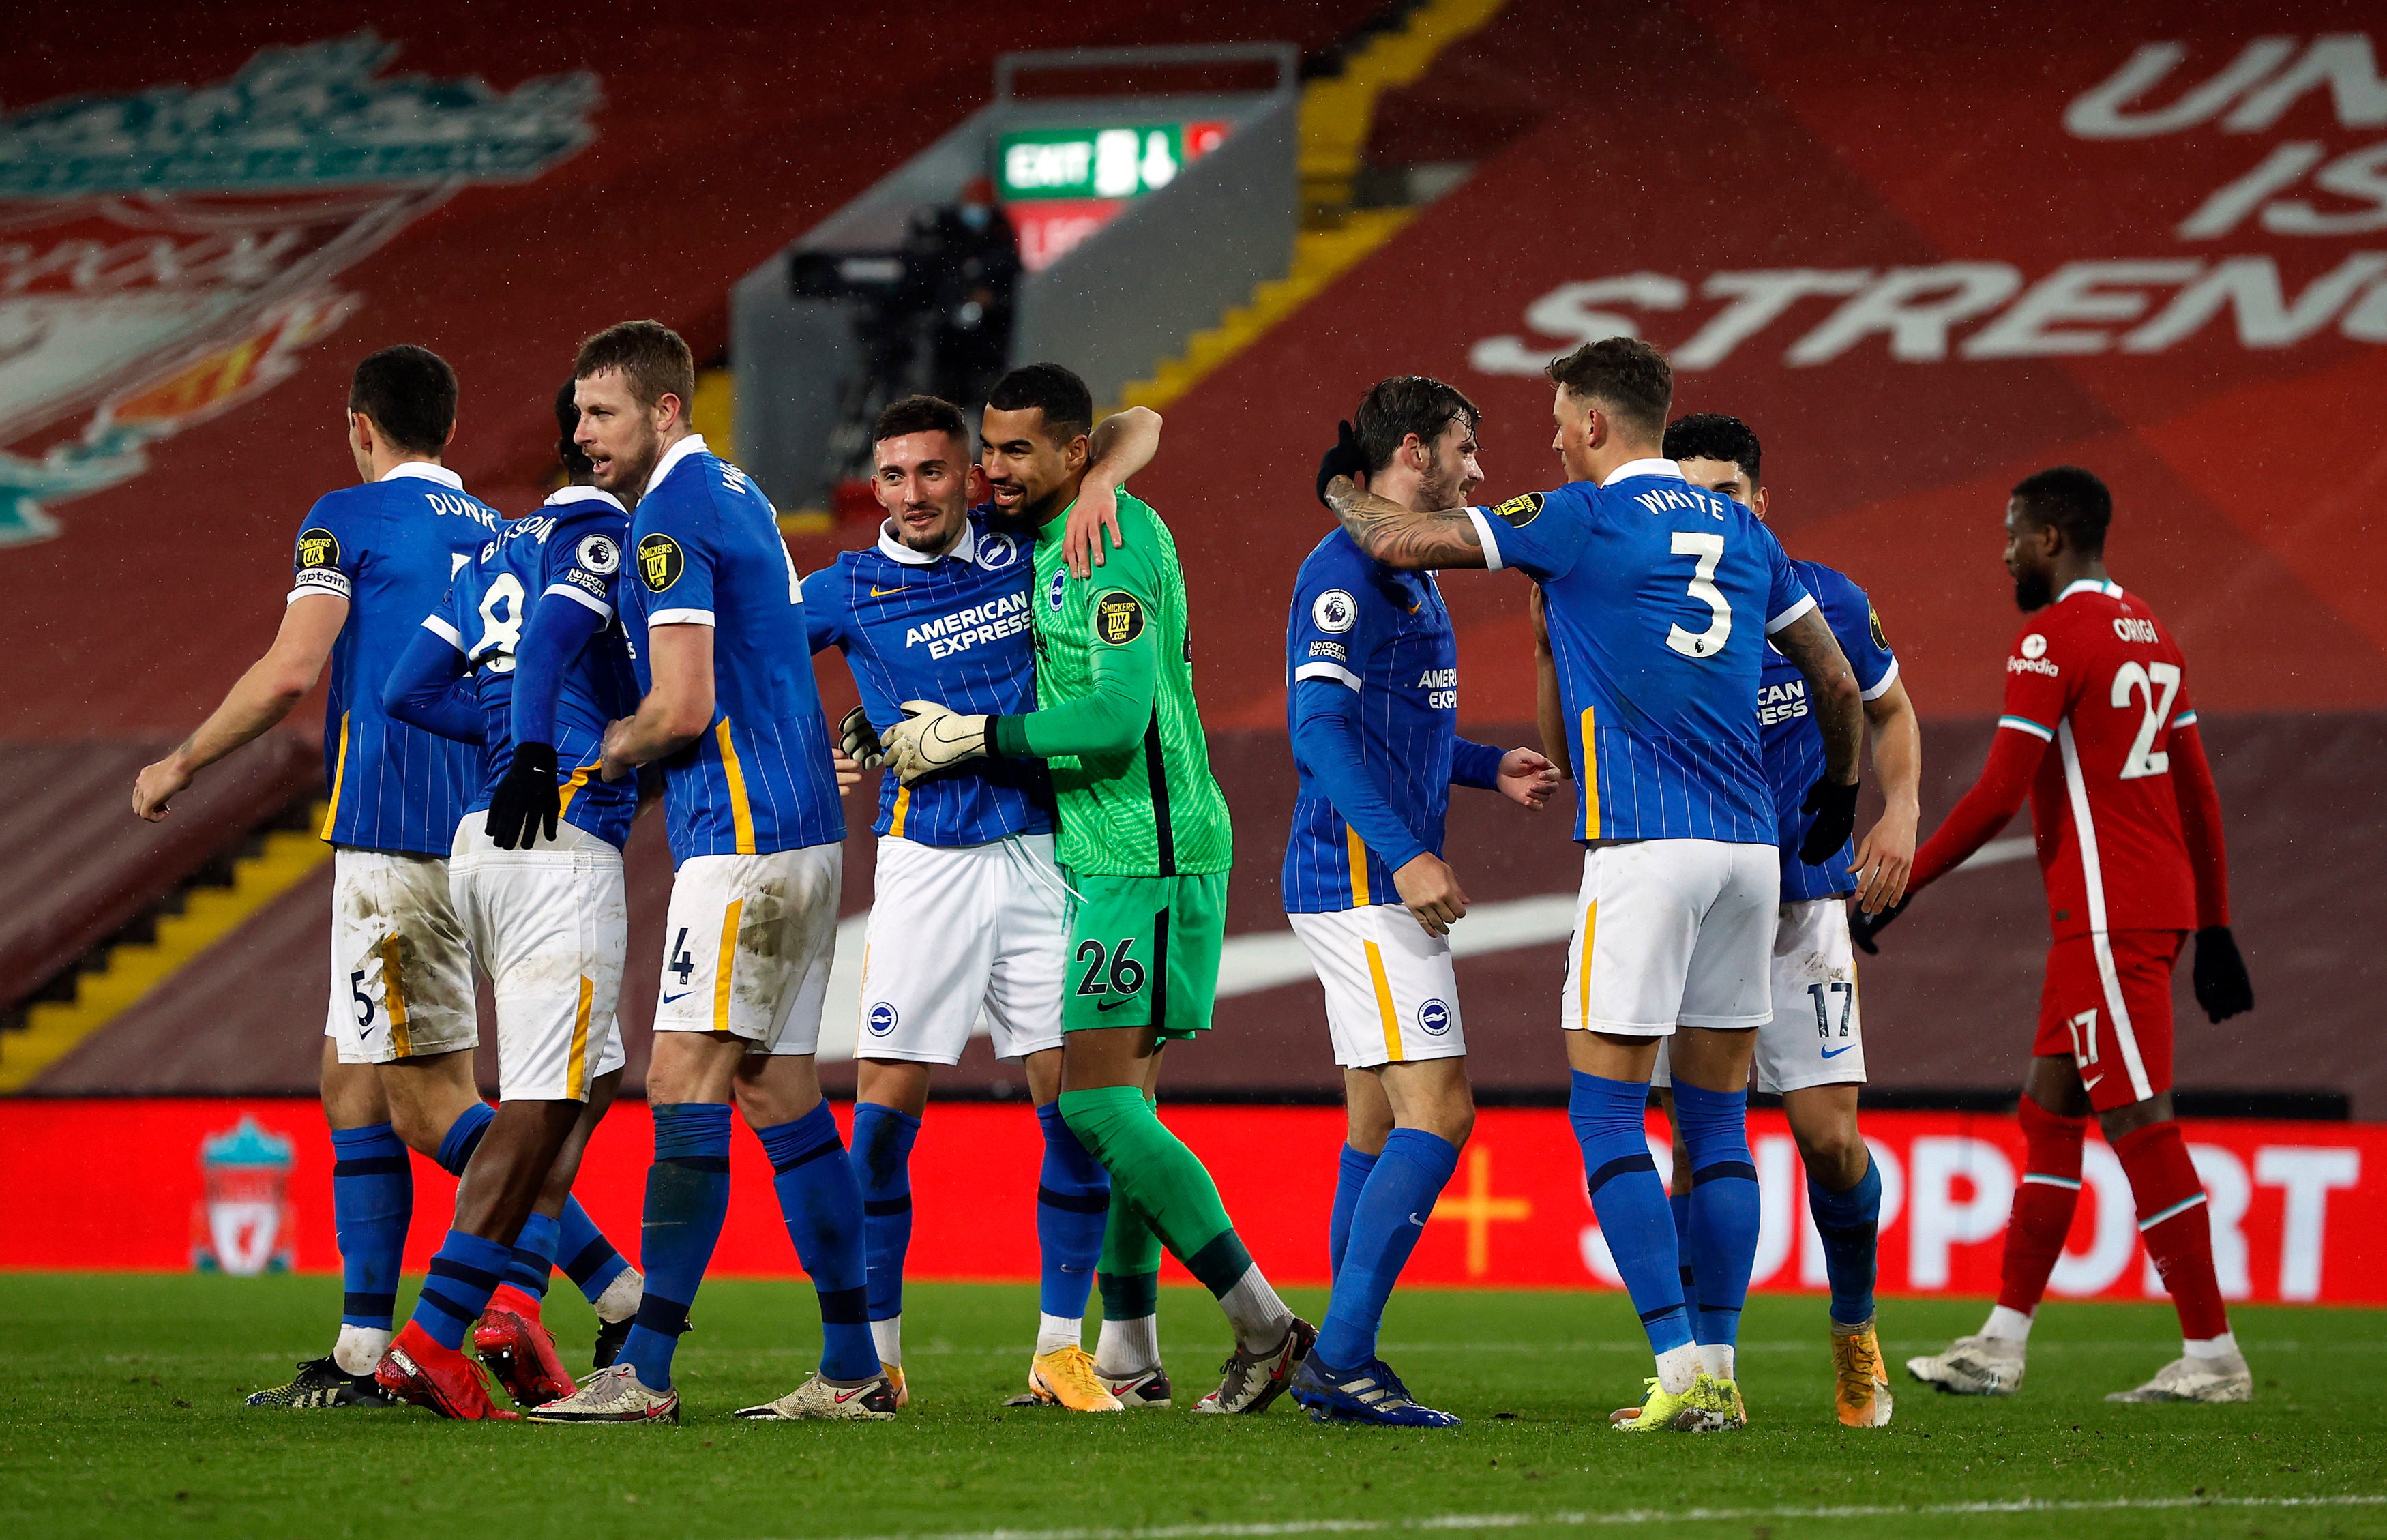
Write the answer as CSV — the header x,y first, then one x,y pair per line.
x,y
692,444
965,550
2090,585
1644,468
564,497
428,472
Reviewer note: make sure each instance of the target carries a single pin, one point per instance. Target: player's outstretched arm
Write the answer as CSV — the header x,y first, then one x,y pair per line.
x,y
427,689
677,710
1123,445
263,696
1398,537
1887,853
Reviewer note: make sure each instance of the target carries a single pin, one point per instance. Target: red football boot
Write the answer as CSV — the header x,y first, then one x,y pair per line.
x,y
417,1368
516,1347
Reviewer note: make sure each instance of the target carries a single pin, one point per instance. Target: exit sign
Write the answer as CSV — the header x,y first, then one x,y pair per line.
x,y
1121,162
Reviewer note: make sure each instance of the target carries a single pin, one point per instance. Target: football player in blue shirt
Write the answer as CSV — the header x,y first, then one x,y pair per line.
x,y
370,562
970,910
1811,1052
1372,678
527,658
715,616
1659,595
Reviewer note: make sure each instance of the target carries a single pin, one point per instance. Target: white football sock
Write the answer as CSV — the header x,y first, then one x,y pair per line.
x,y
1056,1332
360,1349
1715,1358
1677,1367
888,1336
2007,1325
2221,1346
1128,1348
1259,1318
621,1298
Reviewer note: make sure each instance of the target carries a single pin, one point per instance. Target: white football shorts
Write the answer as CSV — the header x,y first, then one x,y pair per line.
x,y
1390,995
402,969
551,927
1816,1033
1673,933
747,945
956,928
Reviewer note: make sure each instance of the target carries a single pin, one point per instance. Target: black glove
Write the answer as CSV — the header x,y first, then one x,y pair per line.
x,y
1834,807
525,802
860,739
2222,987
1864,928
1344,460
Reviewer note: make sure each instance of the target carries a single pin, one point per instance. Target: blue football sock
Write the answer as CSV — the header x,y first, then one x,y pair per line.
x,y
589,1259
881,1159
463,1136
1630,1202
688,1197
533,1255
464,1273
1385,1225
1680,1202
821,1204
1846,1223
1724,1206
1073,1204
1350,1176
372,1199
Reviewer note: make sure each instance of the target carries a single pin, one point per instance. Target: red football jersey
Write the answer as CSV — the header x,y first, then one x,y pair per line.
x,y
2097,675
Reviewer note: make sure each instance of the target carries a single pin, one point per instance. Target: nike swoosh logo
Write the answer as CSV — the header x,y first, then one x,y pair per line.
x,y
681,995
1835,1053
877,592
1415,1220
2091,1085
845,1396
1106,1005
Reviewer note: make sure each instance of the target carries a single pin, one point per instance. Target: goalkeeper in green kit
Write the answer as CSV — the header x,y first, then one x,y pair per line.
x,y
1145,842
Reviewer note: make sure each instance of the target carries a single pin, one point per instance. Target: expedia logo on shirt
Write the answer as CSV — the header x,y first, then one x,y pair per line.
x,y
1872,617
660,562
318,548
1520,511
1119,618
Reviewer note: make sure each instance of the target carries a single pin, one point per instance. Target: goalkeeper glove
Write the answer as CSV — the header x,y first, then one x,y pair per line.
x,y
525,802
2222,987
1834,807
1864,928
1344,460
860,739
931,739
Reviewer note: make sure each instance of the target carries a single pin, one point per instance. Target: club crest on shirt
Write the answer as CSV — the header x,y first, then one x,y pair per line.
x,y
2034,646
1119,618
318,547
1054,591
1517,512
660,562
997,551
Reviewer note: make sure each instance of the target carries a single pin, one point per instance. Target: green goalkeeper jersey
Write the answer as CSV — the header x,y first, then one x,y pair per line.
x,y
1115,720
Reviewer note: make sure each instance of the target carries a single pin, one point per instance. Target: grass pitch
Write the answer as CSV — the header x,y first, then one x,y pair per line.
x,y
120,1415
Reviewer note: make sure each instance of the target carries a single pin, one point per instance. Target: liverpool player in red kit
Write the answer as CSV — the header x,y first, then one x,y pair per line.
x,y
2100,733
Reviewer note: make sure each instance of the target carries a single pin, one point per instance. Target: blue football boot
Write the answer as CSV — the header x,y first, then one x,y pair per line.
x,y
1371,1393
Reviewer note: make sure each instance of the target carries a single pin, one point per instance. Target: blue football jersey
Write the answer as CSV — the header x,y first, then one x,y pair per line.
x,y
1794,741
1384,633
954,629
706,550
570,551
390,547
1660,596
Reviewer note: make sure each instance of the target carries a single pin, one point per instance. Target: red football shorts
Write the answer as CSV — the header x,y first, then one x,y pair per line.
x,y
2106,1007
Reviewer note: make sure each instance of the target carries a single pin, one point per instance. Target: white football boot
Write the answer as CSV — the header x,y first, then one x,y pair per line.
x,y
2184,1378
1973,1366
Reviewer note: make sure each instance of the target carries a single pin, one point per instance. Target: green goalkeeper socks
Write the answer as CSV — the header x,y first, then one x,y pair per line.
x,y
1163,1181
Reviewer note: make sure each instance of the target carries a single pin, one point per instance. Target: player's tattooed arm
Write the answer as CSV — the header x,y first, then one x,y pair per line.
x,y
1403,538
1831,687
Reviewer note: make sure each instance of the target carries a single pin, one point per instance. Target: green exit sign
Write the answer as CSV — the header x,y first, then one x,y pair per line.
x,y
1097,162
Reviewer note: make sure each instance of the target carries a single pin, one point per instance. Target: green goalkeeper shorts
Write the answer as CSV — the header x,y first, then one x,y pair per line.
x,y
1143,952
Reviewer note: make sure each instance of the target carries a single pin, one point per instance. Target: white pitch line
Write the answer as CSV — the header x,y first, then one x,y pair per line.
x,y
1646,1516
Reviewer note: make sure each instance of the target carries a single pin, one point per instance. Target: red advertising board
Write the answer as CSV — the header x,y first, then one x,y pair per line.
x,y
2289,1201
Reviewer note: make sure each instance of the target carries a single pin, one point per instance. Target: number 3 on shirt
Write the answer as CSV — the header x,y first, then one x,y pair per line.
x,y
2158,683
1709,549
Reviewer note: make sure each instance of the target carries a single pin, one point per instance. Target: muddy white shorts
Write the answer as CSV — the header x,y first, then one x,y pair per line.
x,y
1390,994
1816,1034
747,945
1673,933
550,926
958,928
402,969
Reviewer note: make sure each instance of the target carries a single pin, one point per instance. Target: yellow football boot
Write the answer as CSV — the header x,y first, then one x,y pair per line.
x,y
1065,1377
1860,1386
1661,1412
